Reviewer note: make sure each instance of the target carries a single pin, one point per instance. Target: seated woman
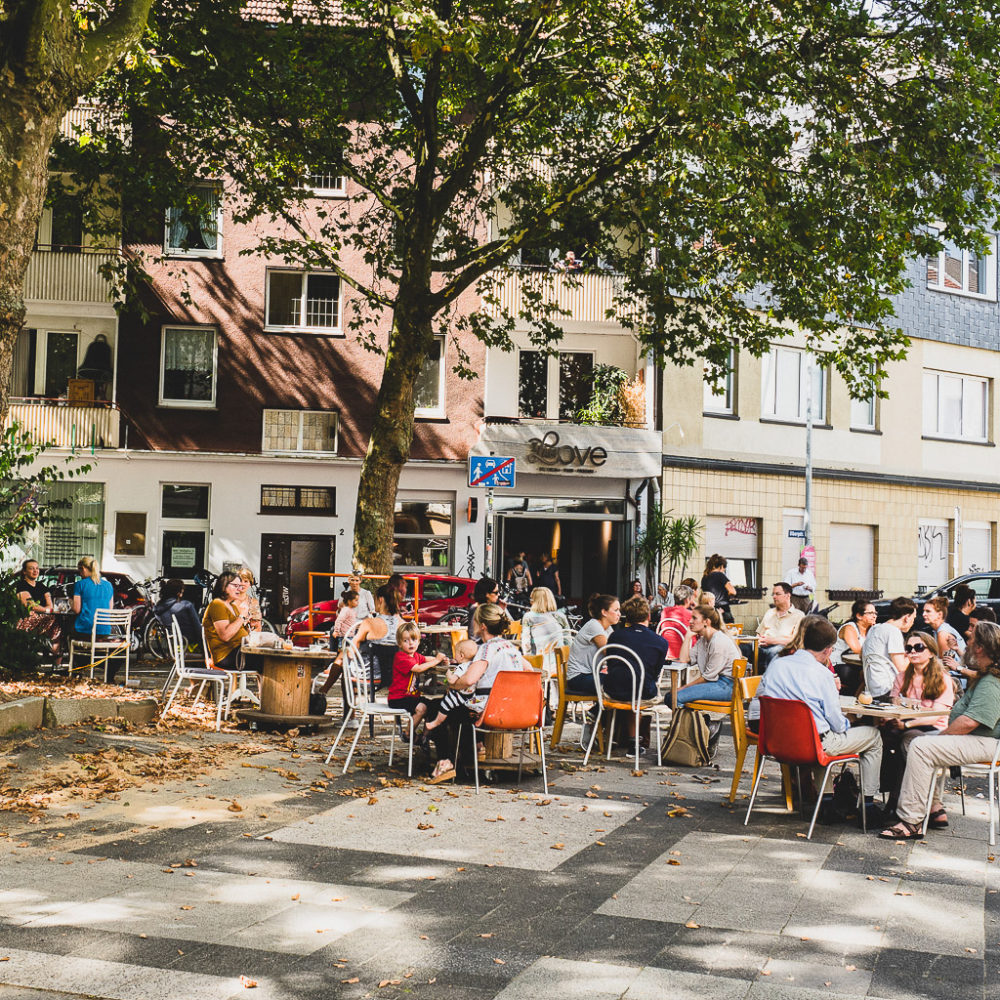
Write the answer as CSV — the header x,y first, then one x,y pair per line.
x,y
90,593
495,654
850,637
544,626
224,622
925,680
605,612
36,598
486,591
713,655
375,638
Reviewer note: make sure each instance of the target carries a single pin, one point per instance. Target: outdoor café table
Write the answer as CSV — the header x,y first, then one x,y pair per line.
x,y
285,685
676,668
851,706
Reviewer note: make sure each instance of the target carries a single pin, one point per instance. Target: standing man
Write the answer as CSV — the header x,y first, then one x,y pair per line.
x,y
803,582
548,575
882,656
778,626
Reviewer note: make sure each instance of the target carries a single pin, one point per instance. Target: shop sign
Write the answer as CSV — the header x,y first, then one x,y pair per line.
x,y
548,452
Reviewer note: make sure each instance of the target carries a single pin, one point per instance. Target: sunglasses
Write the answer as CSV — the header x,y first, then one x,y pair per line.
x,y
917,647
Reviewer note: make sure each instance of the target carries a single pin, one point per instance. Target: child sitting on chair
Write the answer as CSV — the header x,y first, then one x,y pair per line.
x,y
347,616
466,651
405,665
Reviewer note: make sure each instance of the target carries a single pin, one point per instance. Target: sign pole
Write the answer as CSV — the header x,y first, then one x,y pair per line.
x,y
487,562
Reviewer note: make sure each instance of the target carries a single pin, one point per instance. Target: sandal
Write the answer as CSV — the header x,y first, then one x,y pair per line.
x,y
445,771
902,831
938,820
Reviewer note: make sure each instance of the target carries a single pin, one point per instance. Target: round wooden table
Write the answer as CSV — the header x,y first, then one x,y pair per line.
x,y
285,686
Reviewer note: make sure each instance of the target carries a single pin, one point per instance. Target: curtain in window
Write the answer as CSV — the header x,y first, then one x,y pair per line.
x,y
188,364
194,226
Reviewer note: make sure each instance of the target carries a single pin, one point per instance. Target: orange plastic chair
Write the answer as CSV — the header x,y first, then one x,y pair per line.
x,y
515,705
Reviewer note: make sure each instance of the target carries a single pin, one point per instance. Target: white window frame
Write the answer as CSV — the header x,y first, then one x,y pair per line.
x,y
770,387
932,429
439,410
302,327
217,253
990,271
189,404
869,421
338,191
721,403
299,450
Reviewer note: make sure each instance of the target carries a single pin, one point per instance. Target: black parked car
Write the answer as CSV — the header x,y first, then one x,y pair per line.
x,y
986,586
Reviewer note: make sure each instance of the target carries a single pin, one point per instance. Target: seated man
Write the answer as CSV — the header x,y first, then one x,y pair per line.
x,y
804,676
969,738
963,604
645,643
882,656
172,605
778,626
676,619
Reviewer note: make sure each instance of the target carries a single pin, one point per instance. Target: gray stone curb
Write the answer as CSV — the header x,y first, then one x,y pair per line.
x,y
38,712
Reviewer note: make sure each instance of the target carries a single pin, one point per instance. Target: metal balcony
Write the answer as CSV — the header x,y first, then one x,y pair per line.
x,y
67,276
79,427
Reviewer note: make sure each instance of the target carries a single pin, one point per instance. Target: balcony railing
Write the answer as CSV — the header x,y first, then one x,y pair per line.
x,y
57,422
584,297
68,276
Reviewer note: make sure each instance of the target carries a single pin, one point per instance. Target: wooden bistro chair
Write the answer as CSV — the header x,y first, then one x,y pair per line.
x,y
201,674
788,735
567,698
727,708
744,690
991,768
361,704
116,642
655,709
515,705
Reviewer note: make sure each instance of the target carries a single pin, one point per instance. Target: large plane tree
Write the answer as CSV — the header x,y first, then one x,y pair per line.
x,y
746,168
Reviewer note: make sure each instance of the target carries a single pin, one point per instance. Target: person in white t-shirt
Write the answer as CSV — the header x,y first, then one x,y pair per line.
x,y
882,655
803,583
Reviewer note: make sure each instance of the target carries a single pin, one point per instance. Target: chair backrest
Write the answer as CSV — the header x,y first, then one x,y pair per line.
x,y
744,689
175,644
739,668
514,630
614,653
115,618
537,660
356,674
788,731
515,701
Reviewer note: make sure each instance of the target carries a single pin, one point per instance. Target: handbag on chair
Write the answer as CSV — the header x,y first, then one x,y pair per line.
x,y
686,742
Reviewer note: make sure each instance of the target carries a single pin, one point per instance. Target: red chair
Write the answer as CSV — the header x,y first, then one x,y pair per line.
x,y
788,735
516,704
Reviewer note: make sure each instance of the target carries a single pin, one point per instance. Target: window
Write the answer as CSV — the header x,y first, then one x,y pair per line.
x,y
77,527
852,557
296,431
571,373
784,386
933,549
130,534
955,406
719,398
326,184
421,535
962,271
187,367
185,502
302,300
298,500
735,538
194,229
428,390
863,411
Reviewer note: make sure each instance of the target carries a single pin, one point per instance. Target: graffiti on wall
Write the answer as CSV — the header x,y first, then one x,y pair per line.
x,y
470,558
741,526
932,545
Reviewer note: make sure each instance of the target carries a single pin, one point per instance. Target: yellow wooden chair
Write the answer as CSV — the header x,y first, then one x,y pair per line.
x,y
724,707
514,630
568,698
743,691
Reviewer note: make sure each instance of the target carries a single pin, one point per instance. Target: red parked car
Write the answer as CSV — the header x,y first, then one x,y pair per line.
x,y
437,596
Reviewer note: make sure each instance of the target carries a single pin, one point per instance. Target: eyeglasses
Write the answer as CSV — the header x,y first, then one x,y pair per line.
x,y
869,611
917,647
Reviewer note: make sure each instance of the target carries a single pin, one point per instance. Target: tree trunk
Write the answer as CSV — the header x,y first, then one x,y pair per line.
x,y
392,435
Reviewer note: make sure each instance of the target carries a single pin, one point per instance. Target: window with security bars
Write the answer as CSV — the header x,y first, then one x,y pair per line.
x,y
303,300
325,183
298,500
300,431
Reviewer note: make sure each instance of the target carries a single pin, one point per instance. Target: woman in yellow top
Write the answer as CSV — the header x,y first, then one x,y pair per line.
x,y
225,622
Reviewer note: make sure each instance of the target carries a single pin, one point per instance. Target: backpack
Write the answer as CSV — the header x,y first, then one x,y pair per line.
x,y
686,741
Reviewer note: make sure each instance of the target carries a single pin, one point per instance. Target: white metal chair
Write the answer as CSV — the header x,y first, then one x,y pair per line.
x,y
990,769
361,704
614,653
205,675
113,639
238,689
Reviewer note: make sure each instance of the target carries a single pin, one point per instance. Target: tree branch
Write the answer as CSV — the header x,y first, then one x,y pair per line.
x,y
106,45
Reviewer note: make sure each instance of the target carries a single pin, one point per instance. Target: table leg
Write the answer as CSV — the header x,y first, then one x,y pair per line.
x,y
674,684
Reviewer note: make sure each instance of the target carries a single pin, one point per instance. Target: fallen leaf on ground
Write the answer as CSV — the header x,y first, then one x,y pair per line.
x,y
247,983
692,925
558,847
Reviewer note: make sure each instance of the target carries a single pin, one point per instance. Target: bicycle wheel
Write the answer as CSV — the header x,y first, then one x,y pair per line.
x,y
155,640
266,626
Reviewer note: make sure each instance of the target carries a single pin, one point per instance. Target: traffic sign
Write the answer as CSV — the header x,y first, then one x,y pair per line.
x,y
492,471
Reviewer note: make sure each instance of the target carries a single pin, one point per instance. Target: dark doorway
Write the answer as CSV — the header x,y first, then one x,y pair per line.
x,y
589,553
286,562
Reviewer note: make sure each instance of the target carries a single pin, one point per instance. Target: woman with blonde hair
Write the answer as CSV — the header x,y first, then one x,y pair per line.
x,y
91,593
248,603
544,626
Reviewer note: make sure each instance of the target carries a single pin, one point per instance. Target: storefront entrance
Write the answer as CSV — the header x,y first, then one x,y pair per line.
x,y
286,562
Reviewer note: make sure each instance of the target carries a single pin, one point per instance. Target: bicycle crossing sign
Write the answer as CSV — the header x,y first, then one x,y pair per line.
x,y
492,471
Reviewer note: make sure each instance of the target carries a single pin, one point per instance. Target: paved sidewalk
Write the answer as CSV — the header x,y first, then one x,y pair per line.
x,y
612,885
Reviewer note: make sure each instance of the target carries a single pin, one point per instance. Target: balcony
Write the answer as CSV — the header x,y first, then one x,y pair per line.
x,y
583,297
56,275
80,427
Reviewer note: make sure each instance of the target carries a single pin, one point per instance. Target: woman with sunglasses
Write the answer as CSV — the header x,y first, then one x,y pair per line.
x,y
850,637
925,681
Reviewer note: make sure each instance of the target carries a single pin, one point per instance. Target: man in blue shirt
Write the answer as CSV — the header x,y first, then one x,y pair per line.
x,y
645,643
804,676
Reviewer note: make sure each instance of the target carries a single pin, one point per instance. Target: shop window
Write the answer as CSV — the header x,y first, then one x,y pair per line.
x,y
130,534
298,500
784,386
955,406
303,300
428,390
298,431
185,502
188,367
421,537
194,228
77,525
